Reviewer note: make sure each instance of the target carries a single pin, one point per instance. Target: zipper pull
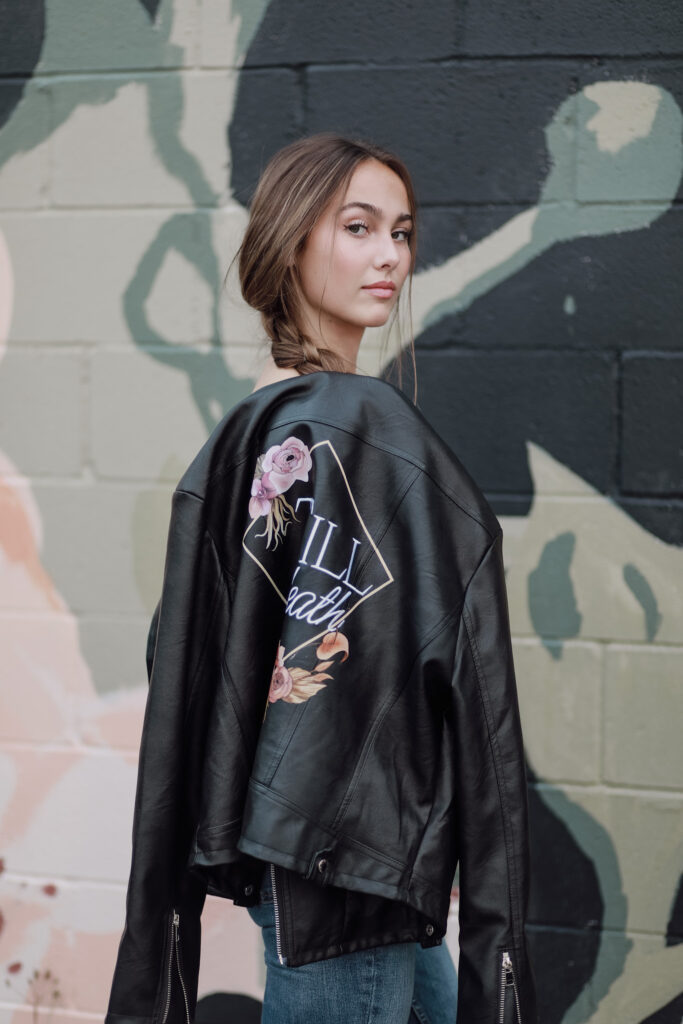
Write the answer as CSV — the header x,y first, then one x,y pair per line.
x,y
178,962
276,911
171,937
508,981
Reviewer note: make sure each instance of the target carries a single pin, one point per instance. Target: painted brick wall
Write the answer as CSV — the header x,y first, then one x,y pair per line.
x,y
545,142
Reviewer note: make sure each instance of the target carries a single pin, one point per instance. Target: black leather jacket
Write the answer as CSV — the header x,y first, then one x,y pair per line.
x,y
332,691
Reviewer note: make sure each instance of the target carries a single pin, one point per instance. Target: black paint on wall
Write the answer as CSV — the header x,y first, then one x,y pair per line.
x,y
22,30
674,928
566,27
270,116
151,6
496,401
300,32
672,1013
652,402
224,1007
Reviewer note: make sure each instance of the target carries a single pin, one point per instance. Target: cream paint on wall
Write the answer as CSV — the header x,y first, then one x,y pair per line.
x,y
606,539
6,293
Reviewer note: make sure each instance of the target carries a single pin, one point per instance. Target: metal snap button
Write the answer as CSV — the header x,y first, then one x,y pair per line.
x,y
248,889
322,864
430,929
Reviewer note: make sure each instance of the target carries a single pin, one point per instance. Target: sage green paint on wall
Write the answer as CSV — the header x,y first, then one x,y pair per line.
x,y
214,390
97,35
250,13
645,596
552,601
630,147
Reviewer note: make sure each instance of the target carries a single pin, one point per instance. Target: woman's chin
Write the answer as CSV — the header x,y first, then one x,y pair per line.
x,y
377,319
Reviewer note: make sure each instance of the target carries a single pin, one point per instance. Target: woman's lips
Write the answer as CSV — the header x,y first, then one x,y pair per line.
x,y
382,289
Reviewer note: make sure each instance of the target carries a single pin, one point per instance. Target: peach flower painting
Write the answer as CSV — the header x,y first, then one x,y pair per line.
x,y
296,685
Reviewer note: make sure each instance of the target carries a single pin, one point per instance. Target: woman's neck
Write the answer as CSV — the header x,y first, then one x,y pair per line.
x,y
271,373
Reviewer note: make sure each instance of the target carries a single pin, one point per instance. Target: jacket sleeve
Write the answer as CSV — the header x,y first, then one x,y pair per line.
x,y
182,651
493,839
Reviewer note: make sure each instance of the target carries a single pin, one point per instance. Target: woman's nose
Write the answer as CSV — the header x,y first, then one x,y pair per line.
x,y
388,254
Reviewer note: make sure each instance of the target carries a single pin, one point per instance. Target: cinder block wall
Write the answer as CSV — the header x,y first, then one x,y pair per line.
x,y
545,143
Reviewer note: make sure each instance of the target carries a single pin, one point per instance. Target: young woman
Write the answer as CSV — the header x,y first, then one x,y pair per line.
x,y
318,280
332,724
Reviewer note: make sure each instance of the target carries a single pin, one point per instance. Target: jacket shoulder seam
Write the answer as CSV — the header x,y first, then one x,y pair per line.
x,y
385,526
384,446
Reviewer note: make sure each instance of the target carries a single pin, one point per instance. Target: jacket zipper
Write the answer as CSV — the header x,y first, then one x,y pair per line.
x,y
168,982
278,940
174,945
507,980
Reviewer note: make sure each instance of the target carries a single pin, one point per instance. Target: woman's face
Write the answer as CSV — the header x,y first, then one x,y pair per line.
x,y
355,260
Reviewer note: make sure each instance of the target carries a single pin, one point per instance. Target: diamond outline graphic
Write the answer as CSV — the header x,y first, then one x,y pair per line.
x,y
364,597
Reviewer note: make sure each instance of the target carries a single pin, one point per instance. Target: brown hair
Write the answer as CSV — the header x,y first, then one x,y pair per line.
x,y
296,186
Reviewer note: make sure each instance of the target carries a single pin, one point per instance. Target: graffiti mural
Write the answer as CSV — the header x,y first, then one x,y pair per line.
x,y
546,313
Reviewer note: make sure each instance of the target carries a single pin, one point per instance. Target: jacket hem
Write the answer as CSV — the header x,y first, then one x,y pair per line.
x,y
369,942
347,864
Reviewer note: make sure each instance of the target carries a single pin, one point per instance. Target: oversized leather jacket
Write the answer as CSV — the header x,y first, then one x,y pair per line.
x,y
331,693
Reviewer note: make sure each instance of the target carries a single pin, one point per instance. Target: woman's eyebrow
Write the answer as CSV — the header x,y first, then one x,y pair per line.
x,y
375,211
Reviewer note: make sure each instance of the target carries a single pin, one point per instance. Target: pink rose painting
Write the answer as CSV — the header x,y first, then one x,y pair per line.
x,y
276,471
296,685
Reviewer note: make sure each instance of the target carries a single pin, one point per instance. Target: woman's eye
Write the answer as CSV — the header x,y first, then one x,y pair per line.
x,y
405,234
357,227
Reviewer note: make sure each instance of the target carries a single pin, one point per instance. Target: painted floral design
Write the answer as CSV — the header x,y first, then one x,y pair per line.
x,y
276,471
296,685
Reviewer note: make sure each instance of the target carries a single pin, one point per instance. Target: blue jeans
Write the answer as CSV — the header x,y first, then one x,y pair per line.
x,y
401,983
